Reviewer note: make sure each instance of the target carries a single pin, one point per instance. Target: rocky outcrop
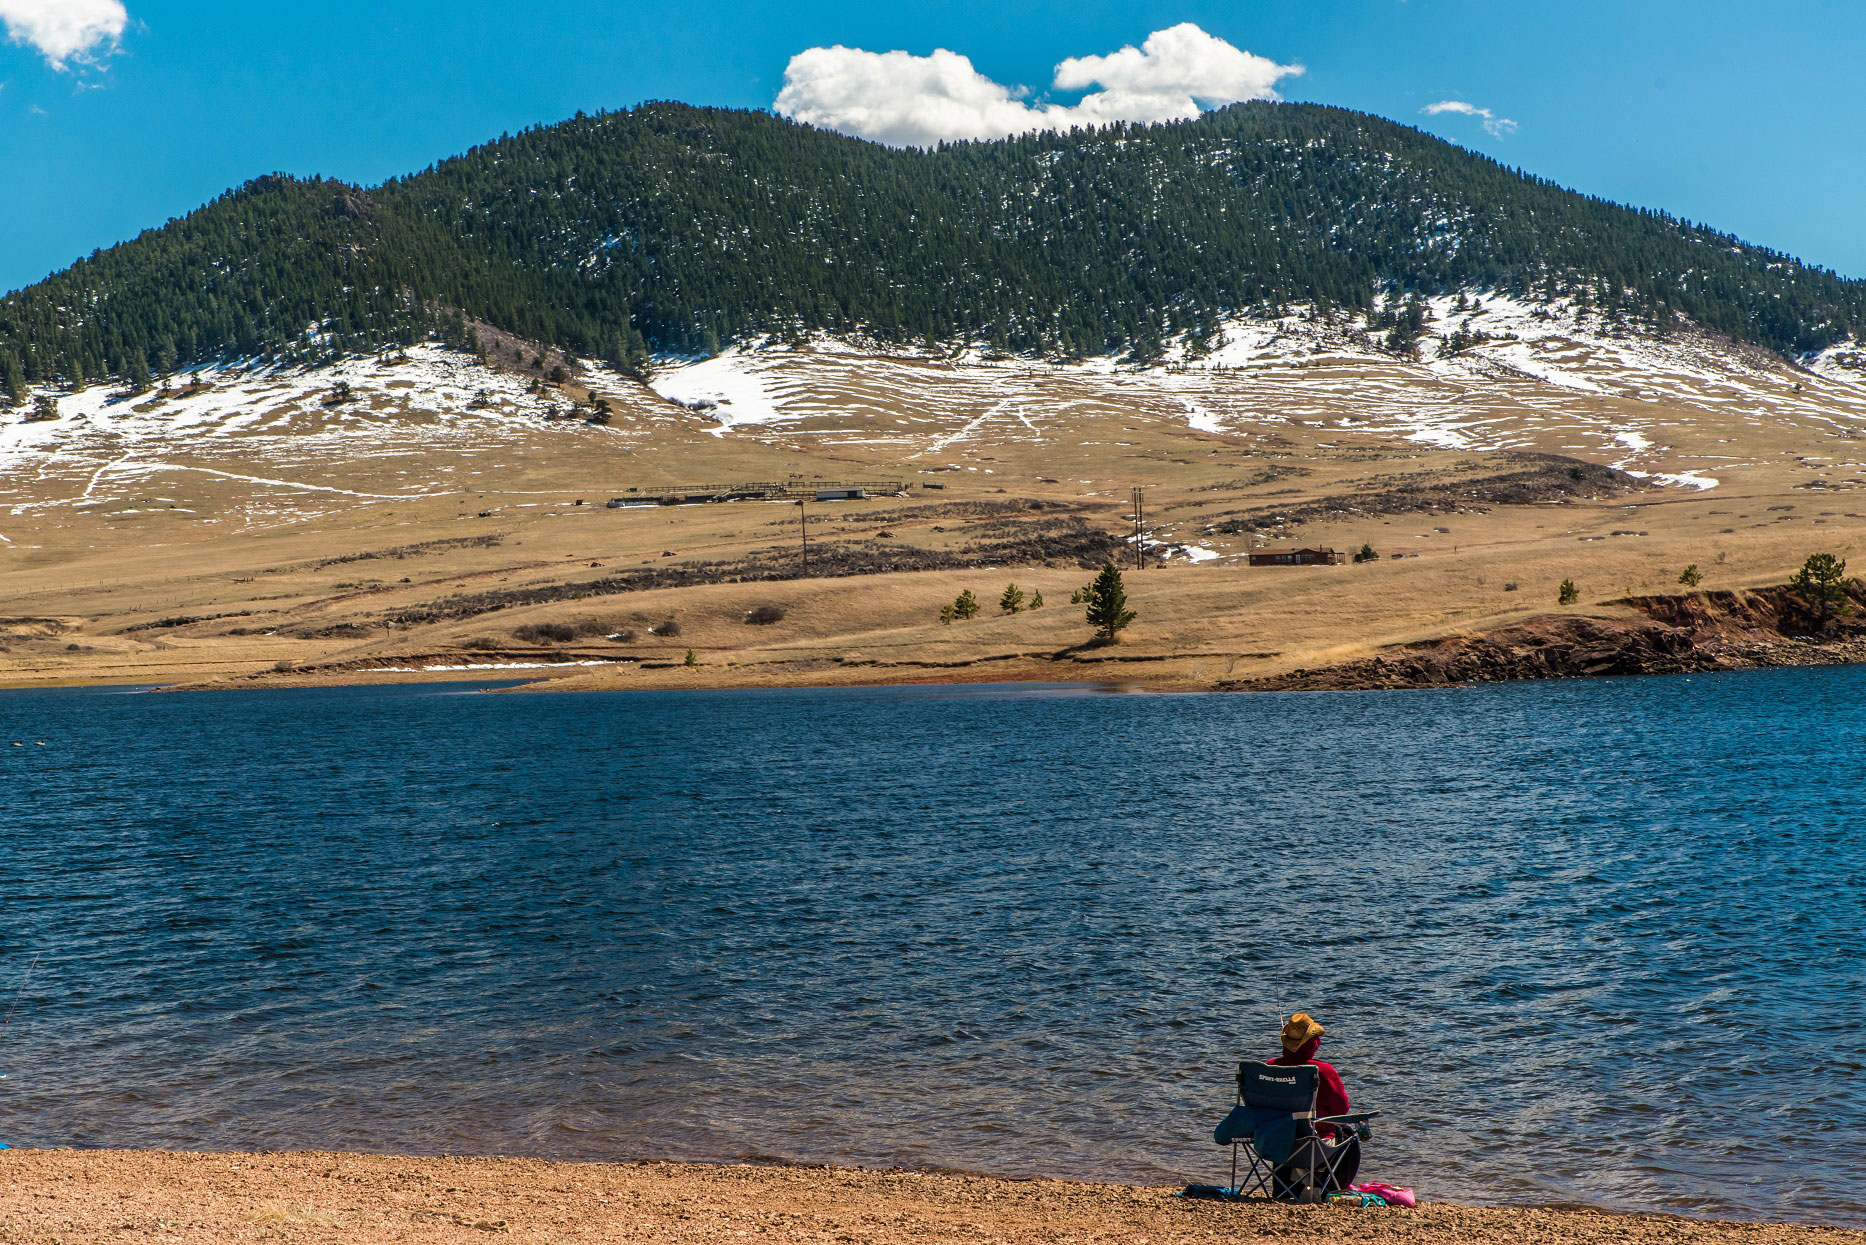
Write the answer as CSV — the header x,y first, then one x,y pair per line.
x,y
1691,632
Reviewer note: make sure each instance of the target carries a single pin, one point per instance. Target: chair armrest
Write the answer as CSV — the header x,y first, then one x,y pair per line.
x,y
1358,1118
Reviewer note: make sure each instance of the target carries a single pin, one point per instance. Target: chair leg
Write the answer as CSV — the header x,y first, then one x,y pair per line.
x,y
1260,1180
1233,1186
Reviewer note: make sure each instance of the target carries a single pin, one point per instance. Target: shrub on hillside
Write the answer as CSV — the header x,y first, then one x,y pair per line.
x,y
545,633
764,615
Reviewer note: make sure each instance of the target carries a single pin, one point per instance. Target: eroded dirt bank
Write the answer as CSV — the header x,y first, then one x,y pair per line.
x,y
72,1196
1683,634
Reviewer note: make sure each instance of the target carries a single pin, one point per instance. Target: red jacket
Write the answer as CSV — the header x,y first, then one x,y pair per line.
x,y
1331,1096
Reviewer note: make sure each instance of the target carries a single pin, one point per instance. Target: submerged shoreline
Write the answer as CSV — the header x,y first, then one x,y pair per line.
x,y
104,1195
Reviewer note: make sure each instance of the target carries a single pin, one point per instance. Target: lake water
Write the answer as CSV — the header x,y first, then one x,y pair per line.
x,y
1591,942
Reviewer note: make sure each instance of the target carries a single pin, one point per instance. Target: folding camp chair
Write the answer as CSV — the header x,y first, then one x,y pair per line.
x,y
1274,1123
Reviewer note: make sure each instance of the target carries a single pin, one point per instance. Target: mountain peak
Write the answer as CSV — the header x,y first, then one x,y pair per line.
x,y
686,228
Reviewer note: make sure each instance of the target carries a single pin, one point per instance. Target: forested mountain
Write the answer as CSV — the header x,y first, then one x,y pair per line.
x,y
670,227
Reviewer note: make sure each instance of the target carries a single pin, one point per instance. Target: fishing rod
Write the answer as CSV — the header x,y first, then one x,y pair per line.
x,y
8,1022
17,996
20,993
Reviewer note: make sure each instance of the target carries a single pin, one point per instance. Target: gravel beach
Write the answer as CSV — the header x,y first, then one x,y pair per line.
x,y
70,1196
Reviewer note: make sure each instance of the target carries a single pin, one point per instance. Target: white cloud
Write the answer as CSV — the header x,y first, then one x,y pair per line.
x,y
65,30
898,98
916,101
1168,77
1499,127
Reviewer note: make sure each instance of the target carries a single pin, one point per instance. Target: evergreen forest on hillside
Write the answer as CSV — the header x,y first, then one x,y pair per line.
x,y
682,229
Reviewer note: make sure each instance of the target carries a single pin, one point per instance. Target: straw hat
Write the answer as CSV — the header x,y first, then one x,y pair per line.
x,y
1299,1030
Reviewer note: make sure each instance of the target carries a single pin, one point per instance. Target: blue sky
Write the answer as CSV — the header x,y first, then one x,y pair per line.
x,y
1744,115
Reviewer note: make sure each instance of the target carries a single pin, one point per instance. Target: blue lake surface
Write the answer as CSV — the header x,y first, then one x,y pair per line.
x,y
1587,942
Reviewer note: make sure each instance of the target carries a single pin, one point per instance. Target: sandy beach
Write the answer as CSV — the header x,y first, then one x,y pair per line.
x,y
70,1196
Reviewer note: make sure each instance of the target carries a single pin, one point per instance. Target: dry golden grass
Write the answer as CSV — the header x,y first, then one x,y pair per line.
x,y
316,580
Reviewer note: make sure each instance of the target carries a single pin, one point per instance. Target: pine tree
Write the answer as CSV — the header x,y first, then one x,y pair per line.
x,y
1036,600
966,605
12,380
636,225
1012,600
136,372
1822,579
1107,604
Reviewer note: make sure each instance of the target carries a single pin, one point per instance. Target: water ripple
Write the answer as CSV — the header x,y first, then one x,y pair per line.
x,y
1588,942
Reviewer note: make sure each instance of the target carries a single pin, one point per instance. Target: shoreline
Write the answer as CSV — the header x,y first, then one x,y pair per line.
x,y
106,1195
1450,668
1701,632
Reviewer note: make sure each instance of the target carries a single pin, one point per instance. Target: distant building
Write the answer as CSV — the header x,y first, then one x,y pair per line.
x,y
1297,557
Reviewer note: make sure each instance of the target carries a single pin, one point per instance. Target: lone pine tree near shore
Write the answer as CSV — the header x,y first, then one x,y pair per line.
x,y
1107,604
1822,579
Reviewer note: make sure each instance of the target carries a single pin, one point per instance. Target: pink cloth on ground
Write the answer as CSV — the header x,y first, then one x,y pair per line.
x,y
1394,1197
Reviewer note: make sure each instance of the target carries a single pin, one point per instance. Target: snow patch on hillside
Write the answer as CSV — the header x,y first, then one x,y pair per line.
x,y
418,420
727,387
1553,377
1491,371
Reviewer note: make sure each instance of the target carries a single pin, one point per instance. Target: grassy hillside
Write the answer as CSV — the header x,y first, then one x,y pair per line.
x,y
670,227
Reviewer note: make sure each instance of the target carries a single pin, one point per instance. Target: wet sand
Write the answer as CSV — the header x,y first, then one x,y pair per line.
x,y
71,1196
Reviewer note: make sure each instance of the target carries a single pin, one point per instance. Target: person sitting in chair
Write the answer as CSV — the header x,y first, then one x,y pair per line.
x,y
1302,1037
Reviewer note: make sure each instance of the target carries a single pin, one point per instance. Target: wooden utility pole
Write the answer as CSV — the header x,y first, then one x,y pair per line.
x,y
803,528
1140,529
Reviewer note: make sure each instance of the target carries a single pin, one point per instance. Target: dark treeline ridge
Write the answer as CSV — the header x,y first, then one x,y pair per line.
x,y
670,227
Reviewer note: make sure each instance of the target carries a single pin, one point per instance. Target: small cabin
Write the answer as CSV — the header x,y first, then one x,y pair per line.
x,y
1297,557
